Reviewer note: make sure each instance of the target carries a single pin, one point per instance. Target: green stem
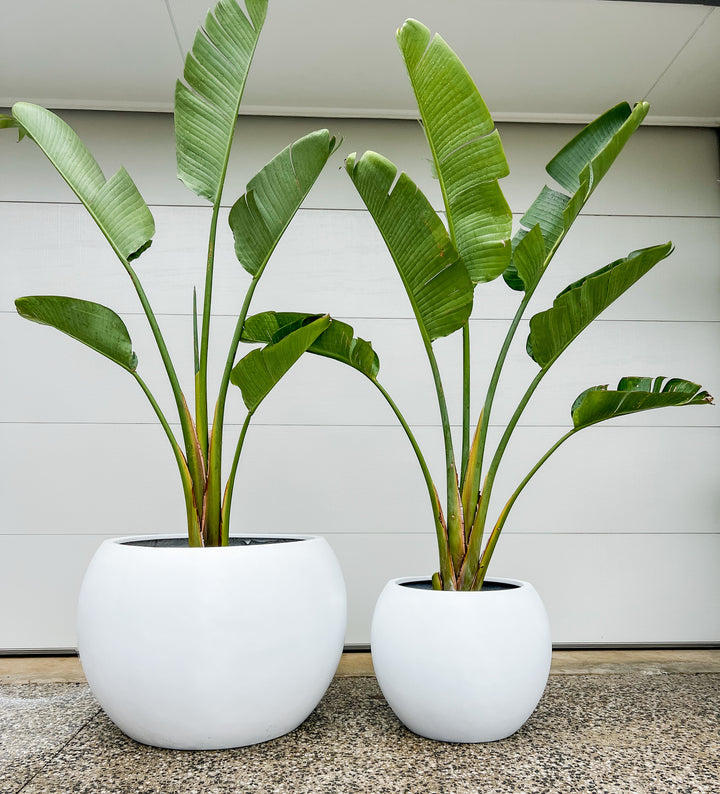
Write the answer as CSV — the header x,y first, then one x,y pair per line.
x,y
188,433
230,486
474,544
466,402
476,473
495,535
445,564
454,528
201,397
214,506
194,534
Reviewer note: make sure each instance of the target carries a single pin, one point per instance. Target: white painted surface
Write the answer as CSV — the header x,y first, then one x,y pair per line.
x,y
630,510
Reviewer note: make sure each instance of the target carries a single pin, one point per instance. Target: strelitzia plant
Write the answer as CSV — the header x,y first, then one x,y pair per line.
x,y
440,266
206,110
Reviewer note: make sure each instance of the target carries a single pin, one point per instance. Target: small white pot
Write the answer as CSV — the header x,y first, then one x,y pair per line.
x,y
459,666
209,648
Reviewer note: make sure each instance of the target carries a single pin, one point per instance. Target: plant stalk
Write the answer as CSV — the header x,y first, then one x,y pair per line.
x,y
474,544
465,404
497,529
230,486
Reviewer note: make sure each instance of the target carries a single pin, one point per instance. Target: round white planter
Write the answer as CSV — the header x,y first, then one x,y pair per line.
x,y
461,667
210,648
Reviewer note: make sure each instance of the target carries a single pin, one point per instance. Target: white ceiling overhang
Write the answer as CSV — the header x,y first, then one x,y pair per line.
x,y
533,60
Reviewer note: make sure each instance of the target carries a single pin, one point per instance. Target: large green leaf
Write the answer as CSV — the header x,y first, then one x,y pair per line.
x,y
434,276
578,167
257,373
337,342
90,323
466,148
259,218
580,303
116,204
206,109
632,395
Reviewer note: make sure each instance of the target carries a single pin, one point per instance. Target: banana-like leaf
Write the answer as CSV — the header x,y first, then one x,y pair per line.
x,y
632,395
580,303
337,342
578,167
116,204
467,153
259,218
435,278
206,108
257,373
90,323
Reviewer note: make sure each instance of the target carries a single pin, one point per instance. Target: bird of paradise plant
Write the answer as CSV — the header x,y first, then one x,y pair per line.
x,y
206,110
440,266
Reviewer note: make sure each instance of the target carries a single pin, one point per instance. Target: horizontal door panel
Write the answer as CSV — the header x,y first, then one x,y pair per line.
x,y
121,479
336,262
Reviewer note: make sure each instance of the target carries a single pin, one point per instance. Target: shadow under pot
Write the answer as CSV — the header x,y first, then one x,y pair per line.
x,y
210,648
461,666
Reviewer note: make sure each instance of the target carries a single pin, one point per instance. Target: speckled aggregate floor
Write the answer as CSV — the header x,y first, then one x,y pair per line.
x,y
638,733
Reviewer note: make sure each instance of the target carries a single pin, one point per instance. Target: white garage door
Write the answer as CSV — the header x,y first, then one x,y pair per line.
x,y
619,532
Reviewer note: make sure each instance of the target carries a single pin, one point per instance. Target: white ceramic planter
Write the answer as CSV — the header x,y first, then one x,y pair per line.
x,y
211,648
461,667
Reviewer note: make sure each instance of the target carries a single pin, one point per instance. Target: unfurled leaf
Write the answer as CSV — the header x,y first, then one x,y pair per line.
x,y
90,323
633,395
468,156
433,274
580,303
259,218
206,109
116,204
337,342
257,373
578,167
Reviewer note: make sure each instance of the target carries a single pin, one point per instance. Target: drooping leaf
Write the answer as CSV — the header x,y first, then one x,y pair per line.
x,y
90,323
116,204
434,276
632,395
580,303
206,109
578,167
259,218
467,153
337,342
257,373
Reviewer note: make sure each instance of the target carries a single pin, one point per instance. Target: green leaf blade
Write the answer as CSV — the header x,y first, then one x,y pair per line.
x,y
633,395
92,324
578,167
257,373
259,218
206,108
552,331
116,204
434,275
467,152
337,341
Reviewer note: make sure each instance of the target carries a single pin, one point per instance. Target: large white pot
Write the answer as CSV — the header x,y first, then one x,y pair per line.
x,y
208,648
459,666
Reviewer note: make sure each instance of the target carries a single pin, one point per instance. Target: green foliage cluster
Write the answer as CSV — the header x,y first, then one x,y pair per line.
x,y
440,264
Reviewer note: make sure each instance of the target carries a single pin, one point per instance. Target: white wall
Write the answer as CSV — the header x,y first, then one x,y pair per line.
x,y
619,532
